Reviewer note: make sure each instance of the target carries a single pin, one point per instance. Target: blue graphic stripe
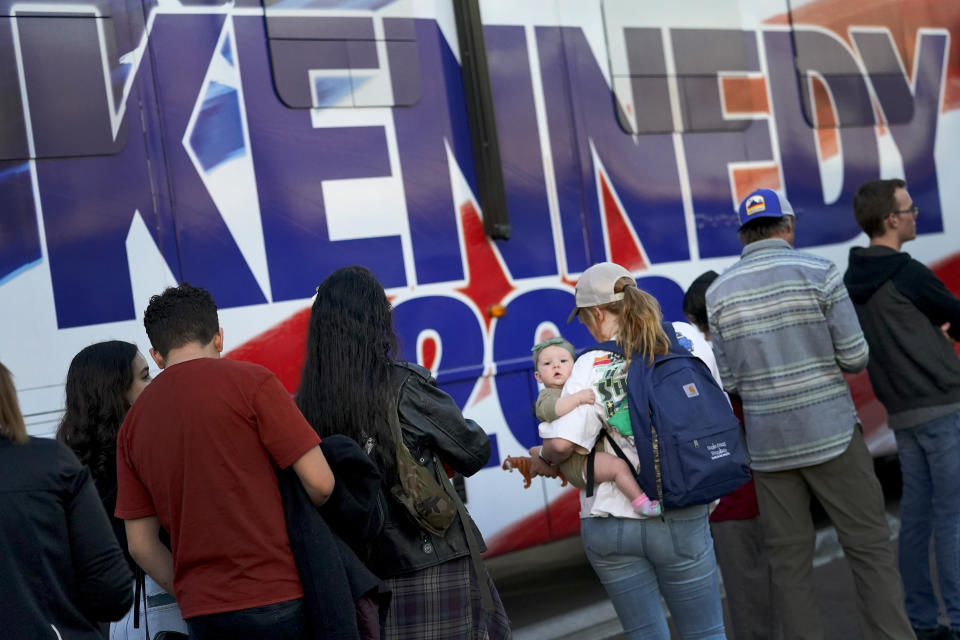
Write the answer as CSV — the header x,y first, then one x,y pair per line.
x,y
218,134
16,272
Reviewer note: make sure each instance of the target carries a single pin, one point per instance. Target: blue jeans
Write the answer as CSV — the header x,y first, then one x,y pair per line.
x,y
280,621
639,560
930,465
161,613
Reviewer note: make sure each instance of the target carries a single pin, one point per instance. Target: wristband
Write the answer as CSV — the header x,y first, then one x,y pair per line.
x,y
540,455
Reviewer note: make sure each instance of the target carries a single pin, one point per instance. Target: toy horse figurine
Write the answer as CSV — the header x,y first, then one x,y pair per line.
x,y
522,464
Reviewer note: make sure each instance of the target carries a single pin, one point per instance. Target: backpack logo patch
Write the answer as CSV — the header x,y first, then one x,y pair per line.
x,y
718,450
691,390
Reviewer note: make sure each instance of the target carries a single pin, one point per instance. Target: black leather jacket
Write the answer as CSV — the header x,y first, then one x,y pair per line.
x,y
431,424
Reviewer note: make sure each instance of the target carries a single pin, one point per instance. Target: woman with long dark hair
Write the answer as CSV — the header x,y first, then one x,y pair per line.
x,y
353,384
103,382
60,567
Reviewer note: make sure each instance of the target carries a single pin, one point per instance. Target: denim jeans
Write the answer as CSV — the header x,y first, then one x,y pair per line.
x,y
930,465
162,614
639,560
280,621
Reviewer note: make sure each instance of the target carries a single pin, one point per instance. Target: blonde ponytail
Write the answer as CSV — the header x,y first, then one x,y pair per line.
x,y
640,319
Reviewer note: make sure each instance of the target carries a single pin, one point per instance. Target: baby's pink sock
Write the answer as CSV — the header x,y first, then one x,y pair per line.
x,y
645,506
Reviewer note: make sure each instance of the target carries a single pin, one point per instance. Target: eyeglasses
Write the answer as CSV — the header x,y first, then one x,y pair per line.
x,y
914,210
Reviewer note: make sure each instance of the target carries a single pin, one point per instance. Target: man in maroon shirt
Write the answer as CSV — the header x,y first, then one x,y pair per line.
x,y
197,454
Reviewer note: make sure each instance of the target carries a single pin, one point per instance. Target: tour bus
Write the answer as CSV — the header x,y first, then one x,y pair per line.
x,y
477,155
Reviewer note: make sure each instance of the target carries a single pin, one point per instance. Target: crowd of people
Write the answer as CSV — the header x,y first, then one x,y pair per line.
x,y
245,523
781,328
209,503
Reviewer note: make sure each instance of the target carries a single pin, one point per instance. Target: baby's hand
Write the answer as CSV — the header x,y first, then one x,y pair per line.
x,y
585,396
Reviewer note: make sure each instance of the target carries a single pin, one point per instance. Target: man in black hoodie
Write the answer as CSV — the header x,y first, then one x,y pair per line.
x,y
905,312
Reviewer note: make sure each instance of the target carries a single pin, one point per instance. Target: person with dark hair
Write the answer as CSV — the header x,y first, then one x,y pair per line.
x,y
198,454
61,568
103,382
695,301
784,331
905,310
353,384
735,524
878,207
180,316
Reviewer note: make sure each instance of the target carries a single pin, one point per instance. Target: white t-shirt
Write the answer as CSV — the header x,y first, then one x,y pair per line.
x,y
605,373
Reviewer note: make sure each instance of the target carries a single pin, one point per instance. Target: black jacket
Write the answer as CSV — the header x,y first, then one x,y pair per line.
x,y
332,575
431,424
60,565
902,305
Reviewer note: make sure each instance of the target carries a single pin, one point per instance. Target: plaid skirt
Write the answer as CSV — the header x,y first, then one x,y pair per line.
x,y
443,602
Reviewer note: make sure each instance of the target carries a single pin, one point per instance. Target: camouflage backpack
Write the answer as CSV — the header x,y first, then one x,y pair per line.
x,y
420,491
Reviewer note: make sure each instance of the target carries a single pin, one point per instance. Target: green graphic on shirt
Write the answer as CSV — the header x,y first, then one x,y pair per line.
x,y
610,385
621,420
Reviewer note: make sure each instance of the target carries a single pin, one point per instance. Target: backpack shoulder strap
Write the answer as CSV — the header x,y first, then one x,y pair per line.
x,y
588,476
473,544
589,479
609,345
676,349
612,347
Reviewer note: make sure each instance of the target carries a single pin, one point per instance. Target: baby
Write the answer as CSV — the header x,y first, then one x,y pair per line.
x,y
553,360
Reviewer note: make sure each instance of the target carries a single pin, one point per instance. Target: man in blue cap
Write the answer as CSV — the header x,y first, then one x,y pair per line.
x,y
784,331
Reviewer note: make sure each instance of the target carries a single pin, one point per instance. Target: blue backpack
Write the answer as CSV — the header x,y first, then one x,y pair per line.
x,y
688,439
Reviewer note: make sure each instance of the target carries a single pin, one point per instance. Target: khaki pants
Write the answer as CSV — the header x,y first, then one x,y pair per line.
x,y
747,580
850,493
572,469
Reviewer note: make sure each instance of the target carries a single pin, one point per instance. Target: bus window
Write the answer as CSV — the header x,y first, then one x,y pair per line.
x,y
832,84
52,59
326,60
698,70
13,132
670,74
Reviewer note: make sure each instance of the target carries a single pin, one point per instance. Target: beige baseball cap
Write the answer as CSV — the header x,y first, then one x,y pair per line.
x,y
596,284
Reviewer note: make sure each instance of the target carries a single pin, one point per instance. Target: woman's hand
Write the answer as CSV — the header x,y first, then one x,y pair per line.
x,y
539,466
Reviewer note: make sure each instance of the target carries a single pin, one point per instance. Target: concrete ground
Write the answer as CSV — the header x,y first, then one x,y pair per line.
x,y
551,593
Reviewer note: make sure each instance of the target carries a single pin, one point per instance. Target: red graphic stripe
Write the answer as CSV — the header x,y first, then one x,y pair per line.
x,y
561,519
487,284
623,248
281,349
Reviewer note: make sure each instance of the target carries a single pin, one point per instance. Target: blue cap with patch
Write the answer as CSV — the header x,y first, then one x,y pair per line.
x,y
763,203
